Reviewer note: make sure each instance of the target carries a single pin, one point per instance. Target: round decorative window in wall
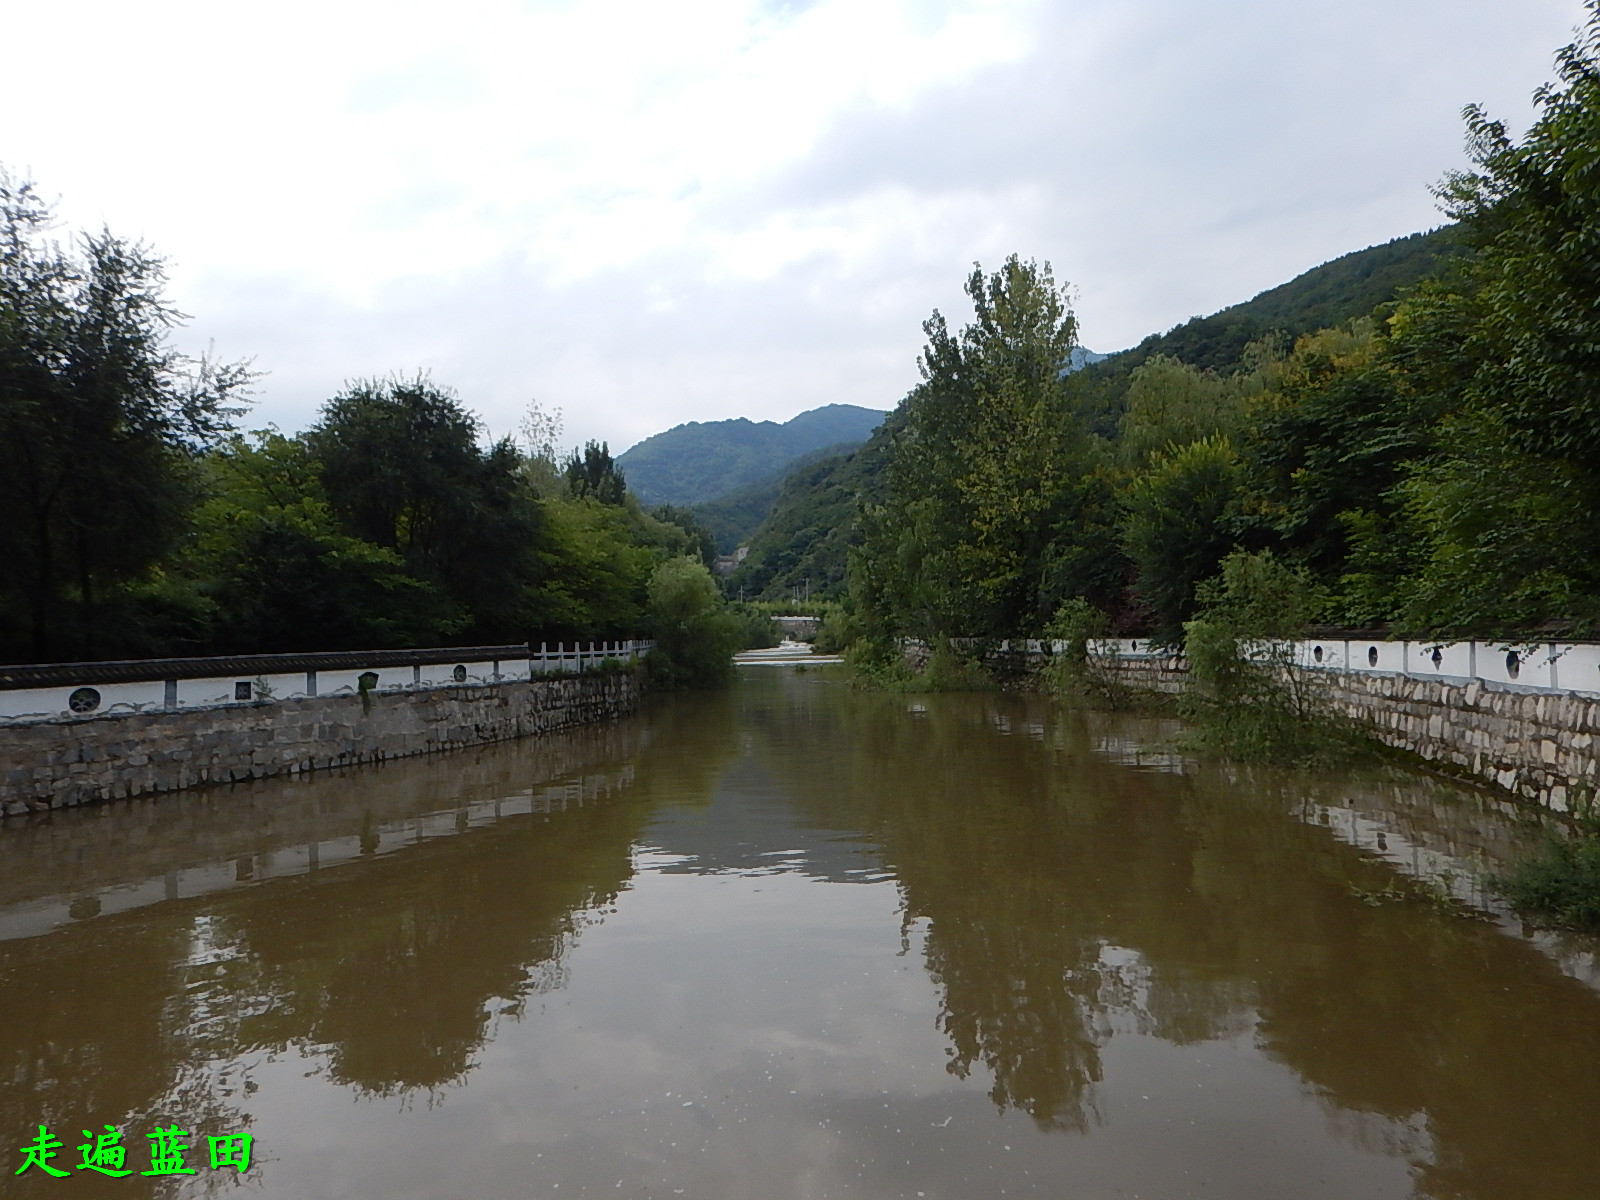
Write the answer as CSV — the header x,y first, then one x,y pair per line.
x,y
459,674
1513,663
1372,656
1316,653
83,700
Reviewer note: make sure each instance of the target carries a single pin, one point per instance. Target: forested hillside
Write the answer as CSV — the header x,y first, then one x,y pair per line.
x,y
705,460
1351,285
732,519
813,518
806,540
1431,463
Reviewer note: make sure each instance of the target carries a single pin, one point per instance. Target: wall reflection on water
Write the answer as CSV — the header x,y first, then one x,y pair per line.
x,y
1069,886
387,953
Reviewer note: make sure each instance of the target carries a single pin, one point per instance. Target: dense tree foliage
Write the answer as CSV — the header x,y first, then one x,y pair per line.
x,y
402,467
594,473
101,426
1429,460
695,633
138,521
701,539
988,478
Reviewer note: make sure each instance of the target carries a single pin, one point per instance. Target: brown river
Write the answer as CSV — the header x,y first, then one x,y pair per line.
x,y
794,941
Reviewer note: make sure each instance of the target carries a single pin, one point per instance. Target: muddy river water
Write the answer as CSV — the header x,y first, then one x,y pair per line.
x,y
797,941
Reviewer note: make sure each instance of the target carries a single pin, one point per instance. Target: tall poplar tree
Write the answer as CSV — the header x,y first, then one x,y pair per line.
x,y
985,463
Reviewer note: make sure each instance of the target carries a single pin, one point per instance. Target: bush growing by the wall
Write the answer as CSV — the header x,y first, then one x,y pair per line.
x,y
883,666
1072,670
1245,697
757,631
951,670
1559,885
838,630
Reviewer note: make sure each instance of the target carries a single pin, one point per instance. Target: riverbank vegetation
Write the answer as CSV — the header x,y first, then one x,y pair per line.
x,y
1428,464
1245,698
142,521
1414,429
1559,885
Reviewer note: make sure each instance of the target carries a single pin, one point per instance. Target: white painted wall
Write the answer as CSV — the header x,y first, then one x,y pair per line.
x,y
35,703
1560,666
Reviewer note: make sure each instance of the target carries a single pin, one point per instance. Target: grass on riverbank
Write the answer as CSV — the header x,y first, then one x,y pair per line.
x,y
1559,884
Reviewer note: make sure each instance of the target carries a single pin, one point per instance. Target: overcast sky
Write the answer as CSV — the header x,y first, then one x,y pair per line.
x,y
656,212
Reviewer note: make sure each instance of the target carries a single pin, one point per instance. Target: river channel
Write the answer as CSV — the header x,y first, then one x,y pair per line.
x,y
794,940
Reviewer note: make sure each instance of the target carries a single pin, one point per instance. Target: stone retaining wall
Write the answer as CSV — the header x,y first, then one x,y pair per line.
x,y
79,760
1540,746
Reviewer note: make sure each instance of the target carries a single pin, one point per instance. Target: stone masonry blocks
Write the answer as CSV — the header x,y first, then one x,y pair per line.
x,y
1539,746
76,760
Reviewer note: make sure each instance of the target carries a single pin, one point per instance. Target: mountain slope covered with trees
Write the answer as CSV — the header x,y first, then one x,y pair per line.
x,y
1432,464
704,460
812,519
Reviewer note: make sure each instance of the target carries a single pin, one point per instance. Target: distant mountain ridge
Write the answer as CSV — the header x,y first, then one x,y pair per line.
x,y
703,460
1351,285
809,523
733,517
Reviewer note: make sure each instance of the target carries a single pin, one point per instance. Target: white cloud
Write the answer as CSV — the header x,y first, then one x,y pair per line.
x,y
649,213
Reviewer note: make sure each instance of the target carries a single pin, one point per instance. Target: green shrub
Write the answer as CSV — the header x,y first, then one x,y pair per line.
x,y
695,633
1559,885
1245,698
839,629
756,628
1073,671
951,670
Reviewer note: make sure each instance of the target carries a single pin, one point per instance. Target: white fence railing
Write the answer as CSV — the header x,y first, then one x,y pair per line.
x,y
85,689
1536,666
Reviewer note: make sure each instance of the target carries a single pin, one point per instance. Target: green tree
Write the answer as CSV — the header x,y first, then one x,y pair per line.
x,y
1329,441
702,542
403,469
1498,542
1245,696
1531,214
696,635
1172,404
595,473
1183,516
594,568
280,572
100,423
985,463
1513,340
